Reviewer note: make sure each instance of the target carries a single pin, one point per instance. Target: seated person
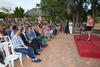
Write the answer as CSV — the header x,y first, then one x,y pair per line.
x,y
28,43
48,32
12,31
21,48
38,35
32,37
9,30
54,30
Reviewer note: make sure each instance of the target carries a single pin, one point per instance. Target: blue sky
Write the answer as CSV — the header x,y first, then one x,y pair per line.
x,y
26,4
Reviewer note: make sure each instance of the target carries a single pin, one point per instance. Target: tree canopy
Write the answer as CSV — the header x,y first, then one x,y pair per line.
x,y
18,12
3,15
75,10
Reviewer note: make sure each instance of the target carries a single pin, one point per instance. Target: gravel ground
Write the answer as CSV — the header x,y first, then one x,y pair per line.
x,y
61,52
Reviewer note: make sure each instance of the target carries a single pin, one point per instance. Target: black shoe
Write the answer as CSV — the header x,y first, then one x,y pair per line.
x,y
39,60
43,46
36,60
37,54
46,45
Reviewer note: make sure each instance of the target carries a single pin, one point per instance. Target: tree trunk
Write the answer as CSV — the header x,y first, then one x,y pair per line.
x,y
77,17
74,22
94,10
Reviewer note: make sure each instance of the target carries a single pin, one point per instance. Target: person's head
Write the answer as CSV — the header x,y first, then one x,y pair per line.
x,y
43,26
89,17
33,27
66,20
14,27
10,27
23,30
17,32
69,20
29,29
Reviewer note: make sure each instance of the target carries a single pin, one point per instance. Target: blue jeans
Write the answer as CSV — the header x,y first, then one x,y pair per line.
x,y
28,52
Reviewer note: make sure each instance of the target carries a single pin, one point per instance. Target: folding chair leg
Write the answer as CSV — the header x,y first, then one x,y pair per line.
x,y
20,58
27,57
12,63
9,64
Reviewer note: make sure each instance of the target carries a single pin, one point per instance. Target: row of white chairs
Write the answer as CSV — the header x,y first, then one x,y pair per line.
x,y
10,56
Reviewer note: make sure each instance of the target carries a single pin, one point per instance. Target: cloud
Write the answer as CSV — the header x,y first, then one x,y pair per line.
x,y
7,4
26,4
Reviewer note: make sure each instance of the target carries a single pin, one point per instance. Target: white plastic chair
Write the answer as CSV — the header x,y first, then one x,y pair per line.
x,y
5,61
16,53
8,56
6,64
1,65
7,38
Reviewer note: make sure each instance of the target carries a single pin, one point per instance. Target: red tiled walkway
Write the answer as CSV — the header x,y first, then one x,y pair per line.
x,y
61,52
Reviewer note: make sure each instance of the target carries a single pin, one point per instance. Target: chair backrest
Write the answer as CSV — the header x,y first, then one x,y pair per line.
x,y
10,45
0,47
12,48
7,38
1,65
6,48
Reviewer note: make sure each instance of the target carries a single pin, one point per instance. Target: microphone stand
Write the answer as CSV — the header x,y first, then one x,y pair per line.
x,y
80,34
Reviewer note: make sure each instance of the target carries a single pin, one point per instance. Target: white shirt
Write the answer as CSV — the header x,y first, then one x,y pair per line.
x,y
70,24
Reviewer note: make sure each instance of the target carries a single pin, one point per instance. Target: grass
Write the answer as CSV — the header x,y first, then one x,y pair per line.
x,y
97,19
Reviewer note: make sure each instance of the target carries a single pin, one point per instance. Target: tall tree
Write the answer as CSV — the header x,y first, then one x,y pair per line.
x,y
3,15
19,12
75,10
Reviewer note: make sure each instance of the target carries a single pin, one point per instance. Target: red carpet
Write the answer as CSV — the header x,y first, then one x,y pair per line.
x,y
88,48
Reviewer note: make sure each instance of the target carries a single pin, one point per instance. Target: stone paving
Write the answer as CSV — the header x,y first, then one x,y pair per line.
x,y
61,52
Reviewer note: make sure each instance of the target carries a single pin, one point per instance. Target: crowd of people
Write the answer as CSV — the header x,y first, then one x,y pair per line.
x,y
28,38
31,38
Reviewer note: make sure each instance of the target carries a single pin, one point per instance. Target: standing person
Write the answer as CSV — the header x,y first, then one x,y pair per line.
x,y
70,27
89,26
67,27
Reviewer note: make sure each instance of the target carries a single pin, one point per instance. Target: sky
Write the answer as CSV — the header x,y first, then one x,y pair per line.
x,y
26,4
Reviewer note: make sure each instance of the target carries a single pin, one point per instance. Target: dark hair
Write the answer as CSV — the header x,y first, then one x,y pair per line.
x,y
8,26
22,28
28,27
14,27
16,30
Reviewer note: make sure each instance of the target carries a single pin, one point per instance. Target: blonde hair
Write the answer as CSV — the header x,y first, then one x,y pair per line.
x,y
90,16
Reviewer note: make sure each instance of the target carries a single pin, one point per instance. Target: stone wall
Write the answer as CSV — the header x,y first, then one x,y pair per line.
x,y
97,26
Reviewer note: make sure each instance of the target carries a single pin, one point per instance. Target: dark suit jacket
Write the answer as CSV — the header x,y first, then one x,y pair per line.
x,y
29,35
24,39
37,33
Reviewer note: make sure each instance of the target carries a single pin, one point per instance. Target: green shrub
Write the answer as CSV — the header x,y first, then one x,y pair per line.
x,y
97,19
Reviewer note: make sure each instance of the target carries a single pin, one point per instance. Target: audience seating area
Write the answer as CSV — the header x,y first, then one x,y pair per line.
x,y
32,37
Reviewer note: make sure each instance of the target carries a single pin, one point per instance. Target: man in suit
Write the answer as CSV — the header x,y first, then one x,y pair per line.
x,y
32,37
28,43
39,36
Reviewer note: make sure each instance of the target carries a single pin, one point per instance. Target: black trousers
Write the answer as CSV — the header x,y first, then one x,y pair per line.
x,y
37,42
1,58
67,30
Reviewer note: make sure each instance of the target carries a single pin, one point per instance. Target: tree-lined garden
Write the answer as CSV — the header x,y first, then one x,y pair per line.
x,y
75,10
